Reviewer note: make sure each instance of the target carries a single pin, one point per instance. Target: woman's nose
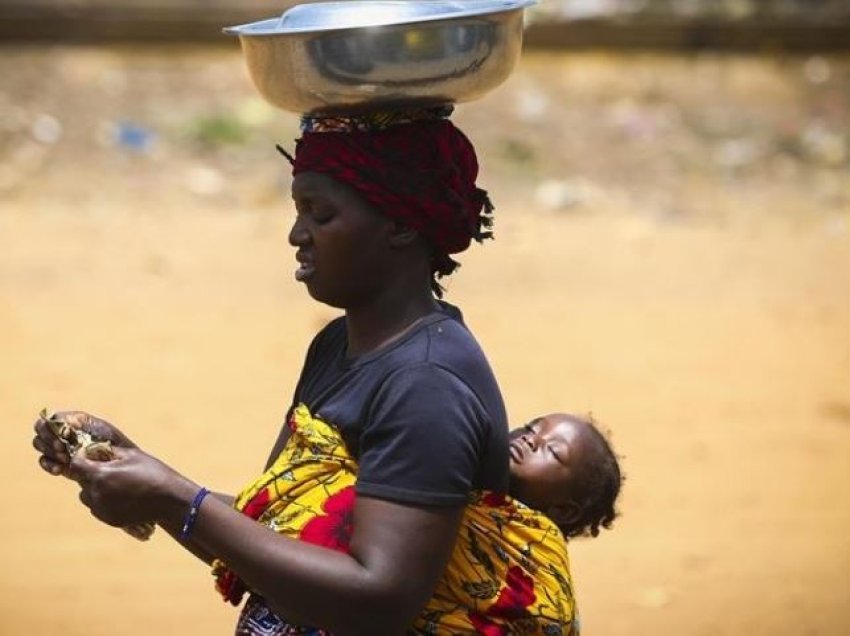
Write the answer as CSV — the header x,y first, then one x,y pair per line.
x,y
298,234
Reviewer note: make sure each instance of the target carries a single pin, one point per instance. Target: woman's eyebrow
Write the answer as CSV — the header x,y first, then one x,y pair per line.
x,y
303,188
304,196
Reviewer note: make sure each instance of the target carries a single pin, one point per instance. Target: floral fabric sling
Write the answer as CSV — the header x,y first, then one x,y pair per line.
x,y
509,572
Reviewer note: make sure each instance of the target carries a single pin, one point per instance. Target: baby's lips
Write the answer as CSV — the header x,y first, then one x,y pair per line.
x,y
515,452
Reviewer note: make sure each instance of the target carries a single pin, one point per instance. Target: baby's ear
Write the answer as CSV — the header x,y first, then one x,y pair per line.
x,y
565,515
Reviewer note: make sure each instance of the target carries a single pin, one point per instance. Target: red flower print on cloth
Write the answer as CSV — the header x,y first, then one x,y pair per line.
x,y
257,505
230,587
334,529
227,583
495,499
512,604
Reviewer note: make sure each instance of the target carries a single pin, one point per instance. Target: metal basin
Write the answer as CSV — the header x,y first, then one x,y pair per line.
x,y
345,57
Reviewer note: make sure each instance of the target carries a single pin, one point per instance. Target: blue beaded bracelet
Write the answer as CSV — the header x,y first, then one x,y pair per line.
x,y
192,515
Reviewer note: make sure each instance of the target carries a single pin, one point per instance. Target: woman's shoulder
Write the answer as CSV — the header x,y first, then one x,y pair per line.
x,y
332,332
450,344
445,355
451,311
335,325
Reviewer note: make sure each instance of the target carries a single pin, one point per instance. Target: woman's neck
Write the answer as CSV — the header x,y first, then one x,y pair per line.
x,y
385,320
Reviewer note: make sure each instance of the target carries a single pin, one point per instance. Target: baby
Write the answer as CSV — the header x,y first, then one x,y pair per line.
x,y
562,466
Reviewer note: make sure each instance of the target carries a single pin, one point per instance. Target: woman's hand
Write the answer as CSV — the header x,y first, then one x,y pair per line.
x,y
54,457
131,489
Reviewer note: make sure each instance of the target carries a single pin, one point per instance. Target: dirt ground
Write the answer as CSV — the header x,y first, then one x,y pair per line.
x,y
672,255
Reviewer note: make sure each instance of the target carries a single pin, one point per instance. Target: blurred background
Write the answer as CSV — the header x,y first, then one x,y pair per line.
x,y
672,255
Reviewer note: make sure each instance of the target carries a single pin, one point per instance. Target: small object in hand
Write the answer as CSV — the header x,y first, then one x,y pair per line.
x,y
78,440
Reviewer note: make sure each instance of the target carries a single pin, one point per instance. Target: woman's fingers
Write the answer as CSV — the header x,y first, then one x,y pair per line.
x,y
89,496
48,444
38,444
82,470
103,492
97,427
85,498
51,447
76,419
52,467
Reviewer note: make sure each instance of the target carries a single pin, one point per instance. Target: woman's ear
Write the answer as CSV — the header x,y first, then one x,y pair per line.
x,y
565,515
402,235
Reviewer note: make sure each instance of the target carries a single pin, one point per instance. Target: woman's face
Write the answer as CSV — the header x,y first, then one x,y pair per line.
x,y
342,242
544,457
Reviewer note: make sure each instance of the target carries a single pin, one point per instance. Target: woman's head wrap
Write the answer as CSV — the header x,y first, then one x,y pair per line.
x,y
414,166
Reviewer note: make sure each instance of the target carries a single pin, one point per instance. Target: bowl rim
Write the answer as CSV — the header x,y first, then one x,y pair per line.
x,y
272,26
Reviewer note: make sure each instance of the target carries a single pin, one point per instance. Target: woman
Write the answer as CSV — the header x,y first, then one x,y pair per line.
x,y
382,201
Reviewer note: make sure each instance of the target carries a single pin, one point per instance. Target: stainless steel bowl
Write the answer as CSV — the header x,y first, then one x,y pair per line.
x,y
333,57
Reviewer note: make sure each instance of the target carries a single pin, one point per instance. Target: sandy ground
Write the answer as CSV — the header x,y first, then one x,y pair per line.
x,y
699,308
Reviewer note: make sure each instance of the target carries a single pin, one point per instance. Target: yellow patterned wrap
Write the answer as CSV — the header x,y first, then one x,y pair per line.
x,y
509,572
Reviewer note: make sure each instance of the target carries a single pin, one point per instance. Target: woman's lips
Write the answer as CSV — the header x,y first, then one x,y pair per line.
x,y
304,271
305,266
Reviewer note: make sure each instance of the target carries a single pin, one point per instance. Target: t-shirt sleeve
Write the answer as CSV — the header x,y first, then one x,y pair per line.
x,y
423,438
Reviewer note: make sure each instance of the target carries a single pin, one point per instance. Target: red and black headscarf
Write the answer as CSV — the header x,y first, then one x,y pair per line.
x,y
414,166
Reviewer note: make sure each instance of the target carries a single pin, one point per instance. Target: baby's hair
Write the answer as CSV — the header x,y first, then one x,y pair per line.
x,y
599,483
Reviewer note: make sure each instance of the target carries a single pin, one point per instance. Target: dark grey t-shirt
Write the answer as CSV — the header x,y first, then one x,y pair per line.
x,y
423,416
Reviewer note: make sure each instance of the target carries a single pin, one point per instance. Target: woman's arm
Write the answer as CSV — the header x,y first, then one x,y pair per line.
x,y
397,552
190,543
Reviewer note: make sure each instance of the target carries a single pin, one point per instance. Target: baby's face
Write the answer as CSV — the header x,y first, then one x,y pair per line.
x,y
544,456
